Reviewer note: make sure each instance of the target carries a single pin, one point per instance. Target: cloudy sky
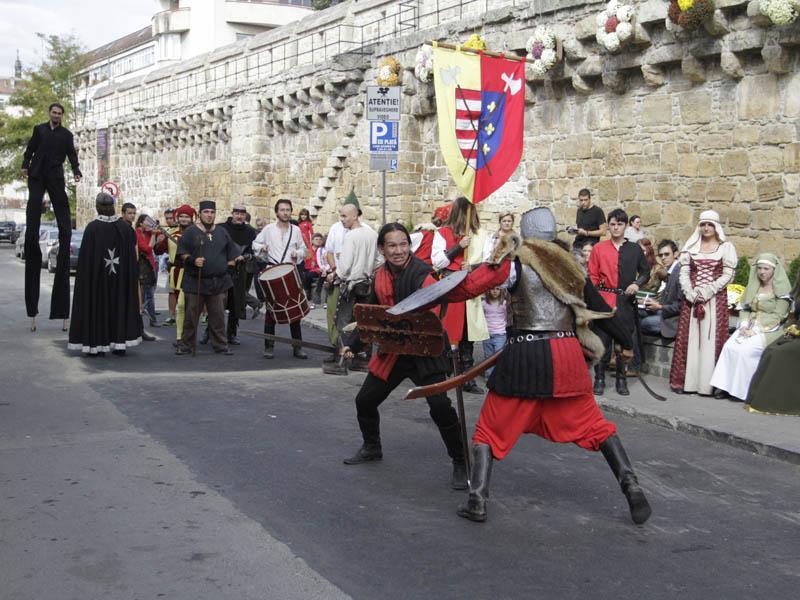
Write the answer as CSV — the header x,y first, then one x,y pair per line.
x,y
95,22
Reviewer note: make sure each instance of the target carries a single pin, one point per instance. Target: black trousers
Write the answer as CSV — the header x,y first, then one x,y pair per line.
x,y
374,391
59,301
269,328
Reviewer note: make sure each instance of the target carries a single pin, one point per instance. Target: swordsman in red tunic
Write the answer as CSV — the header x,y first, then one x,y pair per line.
x,y
401,275
541,383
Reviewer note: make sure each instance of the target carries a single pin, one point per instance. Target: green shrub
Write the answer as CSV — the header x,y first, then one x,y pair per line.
x,y
742,271
794,270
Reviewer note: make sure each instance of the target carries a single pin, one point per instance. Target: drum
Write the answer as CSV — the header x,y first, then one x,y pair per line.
x,y
286,299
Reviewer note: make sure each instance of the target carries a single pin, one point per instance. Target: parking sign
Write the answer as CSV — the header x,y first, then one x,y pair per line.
x,y
384,136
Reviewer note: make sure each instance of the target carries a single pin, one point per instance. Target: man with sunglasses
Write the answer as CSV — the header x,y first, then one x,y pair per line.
x,y
662,314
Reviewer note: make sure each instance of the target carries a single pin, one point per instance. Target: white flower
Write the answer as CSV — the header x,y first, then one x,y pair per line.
x,y
602,17
423,67
538,68
624,31
624,13
611,42
548,57
612,6
780,12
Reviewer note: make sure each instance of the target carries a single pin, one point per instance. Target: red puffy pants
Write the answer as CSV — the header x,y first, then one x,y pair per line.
x,y
575,419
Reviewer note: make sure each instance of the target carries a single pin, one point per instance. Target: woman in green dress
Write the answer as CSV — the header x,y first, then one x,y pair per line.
x,y
763,309
774,388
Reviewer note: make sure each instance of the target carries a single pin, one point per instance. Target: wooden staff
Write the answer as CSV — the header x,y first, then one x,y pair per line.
x,y
197,308
459,48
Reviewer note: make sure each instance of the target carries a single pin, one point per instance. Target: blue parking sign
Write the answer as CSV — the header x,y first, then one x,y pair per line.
x,y
384,136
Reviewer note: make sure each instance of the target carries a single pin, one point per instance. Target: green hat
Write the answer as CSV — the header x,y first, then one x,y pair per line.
x,y
352,199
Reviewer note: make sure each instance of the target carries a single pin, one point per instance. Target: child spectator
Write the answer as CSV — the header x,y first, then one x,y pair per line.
x,y
494,309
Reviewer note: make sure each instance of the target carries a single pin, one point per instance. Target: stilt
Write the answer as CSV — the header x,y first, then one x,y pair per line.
x,y
33,323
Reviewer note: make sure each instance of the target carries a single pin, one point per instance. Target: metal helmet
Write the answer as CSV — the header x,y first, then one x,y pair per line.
x,y
540,223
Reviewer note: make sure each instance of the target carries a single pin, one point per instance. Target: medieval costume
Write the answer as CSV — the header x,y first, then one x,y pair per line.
x,y
704,320
207,285
243,235
540,383
44,160
612,269
387,371
176,266
774,388
105,308
464,322
422,237
760,318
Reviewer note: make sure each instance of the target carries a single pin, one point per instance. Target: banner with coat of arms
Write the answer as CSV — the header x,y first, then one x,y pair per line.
x,y
480,103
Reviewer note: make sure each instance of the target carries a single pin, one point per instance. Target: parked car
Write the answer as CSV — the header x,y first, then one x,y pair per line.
x,y
48,237
19,244
74,248
7,229
19,230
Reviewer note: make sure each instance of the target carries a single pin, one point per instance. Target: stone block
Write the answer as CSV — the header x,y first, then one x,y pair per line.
x,y
695,107
777,134
693,69
669,158
578,146
731,64
713,141
770,189
738,215
653,75
756,16
720,190
746,135
624,113
677,214
776,58
708,166
591,67
586,28
735,163
792,105
657,110
688,165
652,11
791,157
758,97
765,159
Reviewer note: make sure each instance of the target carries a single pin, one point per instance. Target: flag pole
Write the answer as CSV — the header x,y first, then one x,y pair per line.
x,y
447,46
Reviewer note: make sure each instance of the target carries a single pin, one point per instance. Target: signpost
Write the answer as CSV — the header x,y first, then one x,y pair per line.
x,y
383,114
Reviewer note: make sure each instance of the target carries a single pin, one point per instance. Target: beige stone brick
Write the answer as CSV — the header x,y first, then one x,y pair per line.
x,y
615,163
644,191
624,112
770,189
657,110
735,163
688,165
783,218
758,97
746,135
669,158
791,157
632,147
578,146
695,107
607,190
748,192
738,215
713,141
708,166
766,159
574,169
792,106
777,134
676,213
721,190
664,191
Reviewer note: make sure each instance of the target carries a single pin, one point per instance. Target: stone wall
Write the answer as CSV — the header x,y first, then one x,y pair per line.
x,y
670,125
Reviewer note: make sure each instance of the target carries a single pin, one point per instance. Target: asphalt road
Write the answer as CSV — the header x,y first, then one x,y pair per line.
x,y
221,477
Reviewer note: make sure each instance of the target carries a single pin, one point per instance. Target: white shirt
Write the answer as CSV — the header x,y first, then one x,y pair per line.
x,y
359,256
272,241
335,240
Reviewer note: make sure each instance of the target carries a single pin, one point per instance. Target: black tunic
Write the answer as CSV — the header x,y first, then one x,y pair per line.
x,y
46,151
105,306
242,235
218,249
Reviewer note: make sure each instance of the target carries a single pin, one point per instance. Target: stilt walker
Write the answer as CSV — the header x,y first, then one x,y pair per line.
x,y
43,166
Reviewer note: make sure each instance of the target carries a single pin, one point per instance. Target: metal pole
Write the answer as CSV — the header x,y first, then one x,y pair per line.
x,y
383,203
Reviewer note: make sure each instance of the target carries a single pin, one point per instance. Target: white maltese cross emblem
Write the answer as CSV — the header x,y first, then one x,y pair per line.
x,y
112,261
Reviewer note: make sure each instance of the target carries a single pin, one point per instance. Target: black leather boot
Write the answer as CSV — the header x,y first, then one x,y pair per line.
x,y
621,466
367,453
621,378
475,507
451,436
599,379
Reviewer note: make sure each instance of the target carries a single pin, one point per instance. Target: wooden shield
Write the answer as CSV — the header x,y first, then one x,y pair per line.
x,y
417,334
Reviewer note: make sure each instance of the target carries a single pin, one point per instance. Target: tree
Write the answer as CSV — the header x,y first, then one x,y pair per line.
x,y
52,81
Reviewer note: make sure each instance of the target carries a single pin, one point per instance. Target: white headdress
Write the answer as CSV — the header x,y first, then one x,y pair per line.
x,y
707,216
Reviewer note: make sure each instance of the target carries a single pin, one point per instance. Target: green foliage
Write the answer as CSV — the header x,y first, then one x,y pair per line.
x,y
52,81
742,271
320,4
794,270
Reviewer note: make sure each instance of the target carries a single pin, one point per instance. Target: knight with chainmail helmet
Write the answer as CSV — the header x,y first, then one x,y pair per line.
x,y
541,383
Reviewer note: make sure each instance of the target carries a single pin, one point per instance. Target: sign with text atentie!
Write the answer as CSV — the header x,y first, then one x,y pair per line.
x,y
383,103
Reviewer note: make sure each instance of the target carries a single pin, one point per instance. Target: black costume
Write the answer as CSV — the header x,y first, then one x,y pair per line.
x,y
105,308
243,235
44,159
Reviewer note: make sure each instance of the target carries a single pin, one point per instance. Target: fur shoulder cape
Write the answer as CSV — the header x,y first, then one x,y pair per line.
x,y
562,276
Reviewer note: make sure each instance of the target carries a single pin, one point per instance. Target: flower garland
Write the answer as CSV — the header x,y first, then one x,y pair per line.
x,y
423,64
475,42
542,52
388,72
688,14
614,25
780,12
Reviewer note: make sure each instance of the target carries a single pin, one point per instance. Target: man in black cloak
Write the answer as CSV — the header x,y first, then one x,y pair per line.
x,y
105,307
243,235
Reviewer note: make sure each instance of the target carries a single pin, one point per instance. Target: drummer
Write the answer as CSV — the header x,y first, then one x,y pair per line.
x,y
281,243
